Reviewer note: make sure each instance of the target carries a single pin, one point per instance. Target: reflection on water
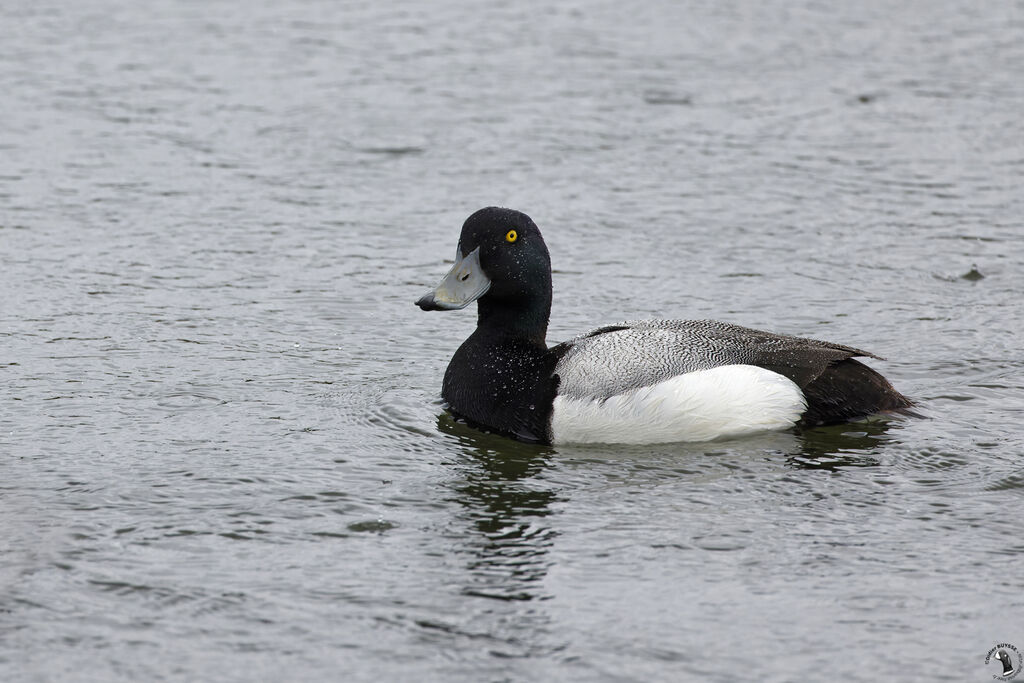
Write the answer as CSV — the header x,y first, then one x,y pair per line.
x,y
507,509
509,502
847,445
854,444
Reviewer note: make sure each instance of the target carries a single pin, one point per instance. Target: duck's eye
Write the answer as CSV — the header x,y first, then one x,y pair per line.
x,y
511,236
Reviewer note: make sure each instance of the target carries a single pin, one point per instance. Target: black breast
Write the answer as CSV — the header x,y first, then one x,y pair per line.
x,y
506,387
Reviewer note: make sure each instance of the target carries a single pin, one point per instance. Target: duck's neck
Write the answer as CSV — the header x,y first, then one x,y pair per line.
x,y
522,320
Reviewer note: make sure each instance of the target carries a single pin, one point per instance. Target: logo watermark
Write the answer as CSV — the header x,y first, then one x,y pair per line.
x,y
1008,658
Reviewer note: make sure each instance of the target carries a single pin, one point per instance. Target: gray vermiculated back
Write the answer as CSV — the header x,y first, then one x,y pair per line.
x,y
637,353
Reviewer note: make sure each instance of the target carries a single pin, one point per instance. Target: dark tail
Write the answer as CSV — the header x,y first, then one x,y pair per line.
x,y
849,390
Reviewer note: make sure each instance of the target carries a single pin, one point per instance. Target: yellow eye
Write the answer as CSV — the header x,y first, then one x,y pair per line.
x,y
511,236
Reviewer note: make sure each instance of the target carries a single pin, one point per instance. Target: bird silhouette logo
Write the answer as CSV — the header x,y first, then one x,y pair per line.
x,y
1008,657
1004,657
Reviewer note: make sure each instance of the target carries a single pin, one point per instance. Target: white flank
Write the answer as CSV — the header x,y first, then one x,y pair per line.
x,y
728,401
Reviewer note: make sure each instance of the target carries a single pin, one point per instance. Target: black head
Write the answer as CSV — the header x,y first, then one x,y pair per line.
x,y
512,253
503,264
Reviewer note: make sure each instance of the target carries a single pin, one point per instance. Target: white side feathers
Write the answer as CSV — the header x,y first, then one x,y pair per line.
x,y
727,401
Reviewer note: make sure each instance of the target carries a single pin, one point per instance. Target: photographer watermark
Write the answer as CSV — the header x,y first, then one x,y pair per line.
x,y
1008,658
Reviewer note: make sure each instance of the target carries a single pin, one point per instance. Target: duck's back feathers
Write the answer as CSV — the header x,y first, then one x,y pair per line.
x,y
637,353
621,358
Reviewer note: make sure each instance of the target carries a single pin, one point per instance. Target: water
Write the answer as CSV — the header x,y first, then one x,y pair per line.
x,y
223,453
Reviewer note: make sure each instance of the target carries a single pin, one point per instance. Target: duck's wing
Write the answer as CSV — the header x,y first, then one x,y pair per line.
x,y
618,358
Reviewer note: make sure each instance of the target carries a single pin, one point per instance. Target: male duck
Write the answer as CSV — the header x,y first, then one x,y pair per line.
x,y
647,381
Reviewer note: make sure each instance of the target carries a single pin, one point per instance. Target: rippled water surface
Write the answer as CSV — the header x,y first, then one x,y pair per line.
x,y
222,451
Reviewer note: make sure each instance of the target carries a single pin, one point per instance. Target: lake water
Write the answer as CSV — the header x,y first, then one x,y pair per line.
x,y
222,451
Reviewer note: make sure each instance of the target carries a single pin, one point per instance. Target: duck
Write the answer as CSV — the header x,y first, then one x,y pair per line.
x,y
631,382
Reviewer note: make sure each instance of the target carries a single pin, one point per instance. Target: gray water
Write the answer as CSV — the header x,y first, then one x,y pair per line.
x,y
223,455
